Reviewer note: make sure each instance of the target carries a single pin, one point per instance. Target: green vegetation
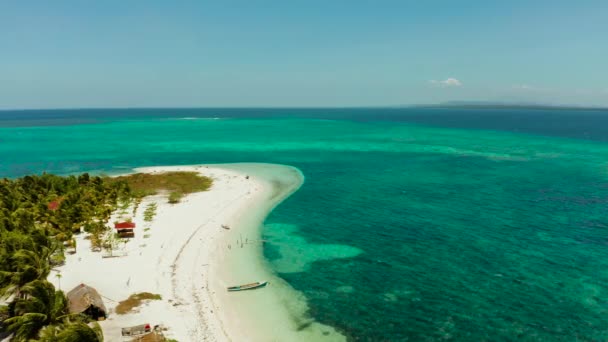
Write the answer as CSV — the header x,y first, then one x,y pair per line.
x,y
134,301
175,197
77,331
111,242
124,205
178,183
150,212
41,314
38,215
136,204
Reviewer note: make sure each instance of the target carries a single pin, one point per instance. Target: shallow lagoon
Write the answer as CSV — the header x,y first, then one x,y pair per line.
x,y
403,229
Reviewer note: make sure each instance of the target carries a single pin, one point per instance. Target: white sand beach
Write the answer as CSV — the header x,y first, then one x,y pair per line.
x,y
189,259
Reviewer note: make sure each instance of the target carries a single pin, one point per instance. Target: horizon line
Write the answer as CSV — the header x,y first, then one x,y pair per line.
x,y
449,104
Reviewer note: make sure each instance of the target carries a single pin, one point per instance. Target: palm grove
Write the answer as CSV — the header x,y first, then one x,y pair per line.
x,y
38,217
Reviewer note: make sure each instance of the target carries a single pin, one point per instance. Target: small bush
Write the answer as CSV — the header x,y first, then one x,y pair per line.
x,y
175,197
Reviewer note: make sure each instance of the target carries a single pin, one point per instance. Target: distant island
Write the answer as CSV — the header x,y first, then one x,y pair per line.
x,y
508,105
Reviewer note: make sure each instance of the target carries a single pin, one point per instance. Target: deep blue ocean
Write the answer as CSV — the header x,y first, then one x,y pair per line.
x,y
414,224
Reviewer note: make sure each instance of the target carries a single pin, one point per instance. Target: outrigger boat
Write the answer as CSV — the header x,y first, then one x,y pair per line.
x,y
251,286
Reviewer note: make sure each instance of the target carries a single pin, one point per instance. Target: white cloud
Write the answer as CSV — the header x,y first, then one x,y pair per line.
x,y
450,82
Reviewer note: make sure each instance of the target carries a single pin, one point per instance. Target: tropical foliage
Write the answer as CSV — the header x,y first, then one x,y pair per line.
x,y
72,332
38,216
42,315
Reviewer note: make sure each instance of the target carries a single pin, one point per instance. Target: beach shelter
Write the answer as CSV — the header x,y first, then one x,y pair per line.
x,y
124,225
125,229
85,299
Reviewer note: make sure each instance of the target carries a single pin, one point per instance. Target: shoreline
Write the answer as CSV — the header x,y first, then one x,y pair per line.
x,y
189,260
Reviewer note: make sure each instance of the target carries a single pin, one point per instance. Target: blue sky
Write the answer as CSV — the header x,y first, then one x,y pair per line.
x,y
56,54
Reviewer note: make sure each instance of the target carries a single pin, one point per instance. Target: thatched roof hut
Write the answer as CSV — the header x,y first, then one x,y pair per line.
x,y
85,299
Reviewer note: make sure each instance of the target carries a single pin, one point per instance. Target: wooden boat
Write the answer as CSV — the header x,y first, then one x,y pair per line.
x,y
256,285
225,226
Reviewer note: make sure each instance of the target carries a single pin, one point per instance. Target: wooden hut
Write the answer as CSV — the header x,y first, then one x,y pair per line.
x,y
125,229
124,225
54,205
86,300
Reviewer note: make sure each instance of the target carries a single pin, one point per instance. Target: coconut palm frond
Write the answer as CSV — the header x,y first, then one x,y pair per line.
x,y
78,332
26,326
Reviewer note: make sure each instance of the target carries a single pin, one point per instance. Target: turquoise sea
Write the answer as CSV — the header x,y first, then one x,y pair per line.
x,y
413,224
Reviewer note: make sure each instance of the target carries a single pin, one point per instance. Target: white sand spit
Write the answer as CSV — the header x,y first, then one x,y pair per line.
x,y
186,256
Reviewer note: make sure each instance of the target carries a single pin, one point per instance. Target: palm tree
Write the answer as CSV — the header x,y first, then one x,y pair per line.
x,y
50,333
25,327
31,238
81,332
27,266
42,306
58,276
72,332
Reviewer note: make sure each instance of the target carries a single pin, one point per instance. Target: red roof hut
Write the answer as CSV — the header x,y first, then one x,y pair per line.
x,y
53,205
124,225
125,229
